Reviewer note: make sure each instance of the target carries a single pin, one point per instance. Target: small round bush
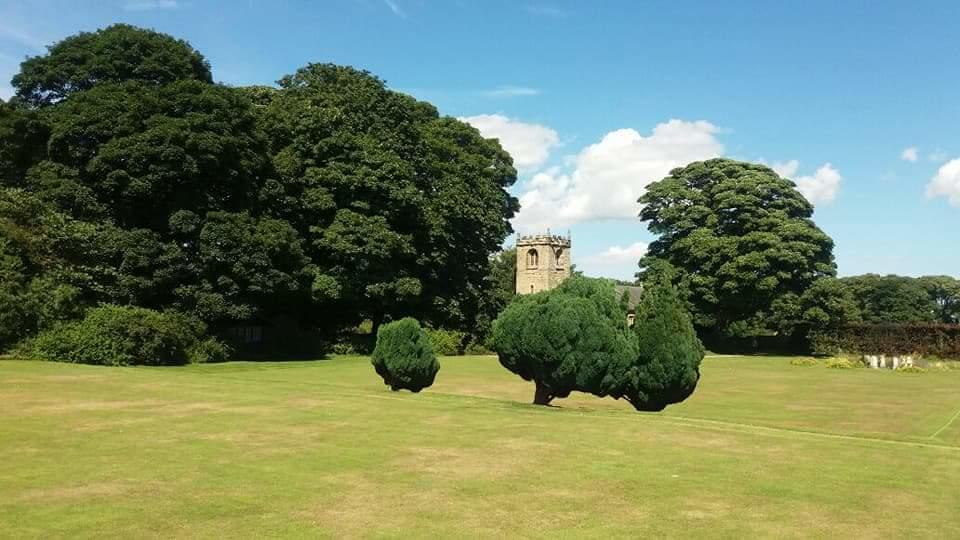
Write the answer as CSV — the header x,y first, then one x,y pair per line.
x,y
804,362
910,369
843,363
125,335
208,351
445,342
404,357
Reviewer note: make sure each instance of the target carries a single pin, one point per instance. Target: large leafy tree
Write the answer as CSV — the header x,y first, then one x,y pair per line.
x,y
114,54
735,238
329,199
147,182
242,267
23,137
136,153
400,207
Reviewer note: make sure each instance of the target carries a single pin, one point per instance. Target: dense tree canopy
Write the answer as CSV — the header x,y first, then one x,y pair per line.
x,y
397,204
827,303
128,177
137,154
114,54
736,239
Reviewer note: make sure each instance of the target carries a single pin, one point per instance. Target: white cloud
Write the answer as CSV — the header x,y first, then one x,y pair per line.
x,y
822,187
607,177
6,92
786,170
633,252
946,183
511,91
909,154
529,144
395,8
151,5
616,262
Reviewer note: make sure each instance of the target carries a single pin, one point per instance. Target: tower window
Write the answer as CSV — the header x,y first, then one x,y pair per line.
x,y
533,259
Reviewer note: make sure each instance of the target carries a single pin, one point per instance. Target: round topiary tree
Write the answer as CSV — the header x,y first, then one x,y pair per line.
x,y
565,339
404,357
667,367
575,338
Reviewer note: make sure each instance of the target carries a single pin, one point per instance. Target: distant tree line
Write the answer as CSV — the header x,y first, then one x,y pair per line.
x,y
899,299
130,178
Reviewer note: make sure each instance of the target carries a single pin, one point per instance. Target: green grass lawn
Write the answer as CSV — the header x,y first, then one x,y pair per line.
x,y
322,448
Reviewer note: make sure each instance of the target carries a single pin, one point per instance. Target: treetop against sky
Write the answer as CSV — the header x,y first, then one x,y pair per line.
x,y
857,104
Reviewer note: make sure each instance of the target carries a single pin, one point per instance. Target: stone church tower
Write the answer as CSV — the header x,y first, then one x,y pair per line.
x,y
543,261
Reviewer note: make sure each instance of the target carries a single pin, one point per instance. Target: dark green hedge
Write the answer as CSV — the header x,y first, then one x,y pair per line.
x,y
940,340
113,335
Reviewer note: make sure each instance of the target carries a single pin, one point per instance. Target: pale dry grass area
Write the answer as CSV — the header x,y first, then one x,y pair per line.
x,y
323,449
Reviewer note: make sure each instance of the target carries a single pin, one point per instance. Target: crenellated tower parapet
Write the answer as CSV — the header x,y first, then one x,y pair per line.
x,y
543,262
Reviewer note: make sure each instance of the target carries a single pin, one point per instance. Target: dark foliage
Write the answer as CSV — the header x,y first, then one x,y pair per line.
x,y
575,338
736,239
114,54
668,366
400,207
403,356
938,340
901,299
126,335
128,177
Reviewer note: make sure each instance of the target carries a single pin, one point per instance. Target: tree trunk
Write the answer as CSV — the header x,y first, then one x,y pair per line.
x,y
542,396
375,321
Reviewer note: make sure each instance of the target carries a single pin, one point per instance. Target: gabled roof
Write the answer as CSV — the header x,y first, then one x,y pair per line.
x,y
635,292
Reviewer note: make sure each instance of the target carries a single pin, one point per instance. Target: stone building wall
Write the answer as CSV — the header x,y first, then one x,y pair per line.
x,y
543,262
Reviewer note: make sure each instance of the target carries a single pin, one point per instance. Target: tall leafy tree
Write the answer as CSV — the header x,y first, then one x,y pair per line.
x,y
400,207
114,54
148,183
139,153
735,238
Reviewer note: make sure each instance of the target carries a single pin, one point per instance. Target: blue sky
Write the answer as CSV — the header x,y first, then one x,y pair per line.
x,y
859,102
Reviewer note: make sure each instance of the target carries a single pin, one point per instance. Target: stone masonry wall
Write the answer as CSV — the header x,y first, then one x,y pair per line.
x,y
548,268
